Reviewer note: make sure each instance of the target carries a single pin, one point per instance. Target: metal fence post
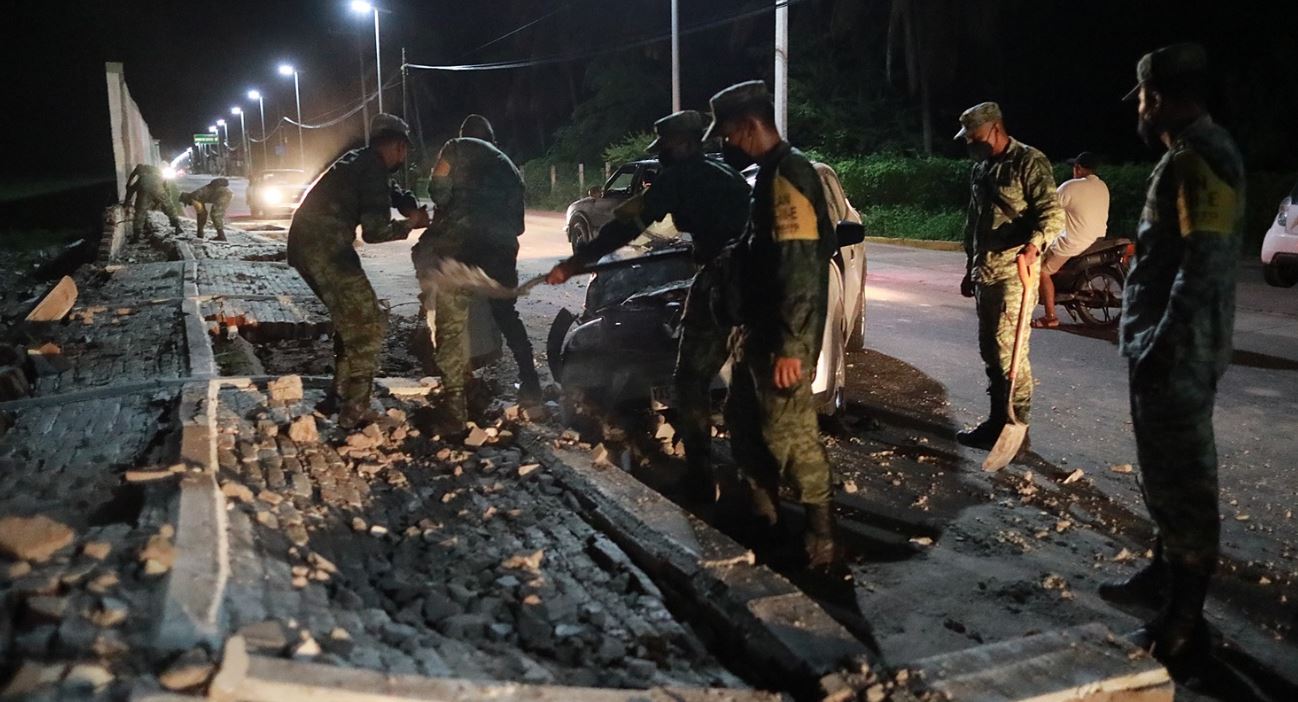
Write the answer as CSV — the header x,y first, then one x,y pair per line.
x,y
581,178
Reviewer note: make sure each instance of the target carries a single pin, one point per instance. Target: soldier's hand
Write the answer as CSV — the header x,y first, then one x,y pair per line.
x,y
419,218
966,285
1029,254
561,272
788,371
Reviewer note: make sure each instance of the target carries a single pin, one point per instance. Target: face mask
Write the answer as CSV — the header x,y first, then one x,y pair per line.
x,y
439,189
979,150
735,157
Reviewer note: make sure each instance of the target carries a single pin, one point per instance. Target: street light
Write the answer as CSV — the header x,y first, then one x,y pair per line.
x,y
261,105
243,136
287,69
223,146
362,7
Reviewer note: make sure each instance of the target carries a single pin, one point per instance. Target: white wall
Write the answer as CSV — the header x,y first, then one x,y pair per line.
x,y
133,144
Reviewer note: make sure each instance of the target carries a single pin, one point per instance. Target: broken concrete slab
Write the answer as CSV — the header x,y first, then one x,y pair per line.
x,y
1081,664
782,636
57,302
252,678
33,538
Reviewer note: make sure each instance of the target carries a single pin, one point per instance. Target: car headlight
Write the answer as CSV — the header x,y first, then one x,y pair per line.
x,y
1282,218
168,172
272,196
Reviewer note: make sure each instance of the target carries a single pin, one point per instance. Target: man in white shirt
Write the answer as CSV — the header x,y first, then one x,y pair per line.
x,y
1085,200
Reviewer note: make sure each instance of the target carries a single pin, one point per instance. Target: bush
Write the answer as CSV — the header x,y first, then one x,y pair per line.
x,y
631,147
908,222
567,187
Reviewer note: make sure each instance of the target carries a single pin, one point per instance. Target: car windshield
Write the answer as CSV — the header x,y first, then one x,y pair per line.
x,y
621,181
613,286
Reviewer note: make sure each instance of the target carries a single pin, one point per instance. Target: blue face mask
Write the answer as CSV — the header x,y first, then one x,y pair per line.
x,y
439,189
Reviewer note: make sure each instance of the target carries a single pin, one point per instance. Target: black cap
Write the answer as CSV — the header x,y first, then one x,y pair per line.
x,y
1086,160
1178,61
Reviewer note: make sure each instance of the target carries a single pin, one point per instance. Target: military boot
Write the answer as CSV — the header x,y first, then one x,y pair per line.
x,y
529,386
1178,636
1145,587
822,552
983,436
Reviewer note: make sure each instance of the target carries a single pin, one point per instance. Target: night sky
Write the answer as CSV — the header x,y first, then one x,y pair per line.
x,y
1059,69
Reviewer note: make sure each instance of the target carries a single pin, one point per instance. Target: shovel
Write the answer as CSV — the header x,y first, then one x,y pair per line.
x,y
1012,435
451,274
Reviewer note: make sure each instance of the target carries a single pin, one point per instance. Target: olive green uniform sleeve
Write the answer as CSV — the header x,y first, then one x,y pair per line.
x,y
971,220
632,217
375,204
1208,209
799,227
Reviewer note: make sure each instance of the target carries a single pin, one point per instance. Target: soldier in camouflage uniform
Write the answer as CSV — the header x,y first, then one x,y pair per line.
x,y
212,199
710,201
1013,213
149,190
1178,317
356,190
783,286
478,193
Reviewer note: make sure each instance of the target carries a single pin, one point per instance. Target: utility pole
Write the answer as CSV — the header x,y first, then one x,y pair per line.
x,y
782,67
404,73
378,58
676,57
365,98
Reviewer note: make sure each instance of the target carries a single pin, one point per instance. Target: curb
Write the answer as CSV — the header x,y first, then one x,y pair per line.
x,y
251,678
191,608
782,636
1082,663
930,244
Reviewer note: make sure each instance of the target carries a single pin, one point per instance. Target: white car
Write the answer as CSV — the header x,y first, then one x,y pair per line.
x,y
1280,247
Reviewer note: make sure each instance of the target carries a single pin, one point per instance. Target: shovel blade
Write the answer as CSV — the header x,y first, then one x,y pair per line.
x,y
1007,446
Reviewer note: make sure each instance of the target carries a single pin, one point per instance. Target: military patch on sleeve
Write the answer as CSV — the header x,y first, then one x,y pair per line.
x,y
1204,202
795,217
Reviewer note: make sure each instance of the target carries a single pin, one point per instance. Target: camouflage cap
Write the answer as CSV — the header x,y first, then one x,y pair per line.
x,y
686,123
736,101
384,124
1170,63
977,116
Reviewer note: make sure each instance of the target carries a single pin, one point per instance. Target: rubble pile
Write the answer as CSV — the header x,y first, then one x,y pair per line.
x,y
388,548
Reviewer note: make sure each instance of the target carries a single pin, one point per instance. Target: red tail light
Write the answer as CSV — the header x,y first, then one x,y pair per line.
x,y
1128,253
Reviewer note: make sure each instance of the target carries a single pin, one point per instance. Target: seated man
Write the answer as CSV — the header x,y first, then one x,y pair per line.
x,y
1085,200
212,198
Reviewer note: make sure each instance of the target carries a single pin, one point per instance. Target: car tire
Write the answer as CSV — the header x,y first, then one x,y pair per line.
x,y
578,232
1279,276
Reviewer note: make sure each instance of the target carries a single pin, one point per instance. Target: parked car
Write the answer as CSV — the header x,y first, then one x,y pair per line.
x,y
1280,246
585,216
620,349
277,191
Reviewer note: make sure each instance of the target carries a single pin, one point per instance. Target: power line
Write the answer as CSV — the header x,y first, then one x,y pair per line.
x,y
564,58
512,32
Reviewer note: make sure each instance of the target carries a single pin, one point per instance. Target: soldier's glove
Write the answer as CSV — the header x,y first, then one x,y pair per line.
x,y
405,202
967,285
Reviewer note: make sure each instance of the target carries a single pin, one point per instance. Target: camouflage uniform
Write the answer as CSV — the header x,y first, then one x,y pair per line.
x,y
321,246
212,199
1178,316
149,190
478,221
710,201
1012,203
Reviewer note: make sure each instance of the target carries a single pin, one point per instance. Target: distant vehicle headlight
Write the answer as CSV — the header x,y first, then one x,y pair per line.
x,y
272,196
168,172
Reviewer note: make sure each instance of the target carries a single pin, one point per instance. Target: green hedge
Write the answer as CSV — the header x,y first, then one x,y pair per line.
x,y
925,198
567,187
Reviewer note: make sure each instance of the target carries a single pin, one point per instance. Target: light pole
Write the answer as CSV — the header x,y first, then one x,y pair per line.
x,y
676,58
223,146
243,137
213,129
286,69
782,68
261,105
364,7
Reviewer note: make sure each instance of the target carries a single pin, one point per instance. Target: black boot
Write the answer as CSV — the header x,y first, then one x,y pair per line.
x,y
1178,636
529,386
983,436
1146,587
822,552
